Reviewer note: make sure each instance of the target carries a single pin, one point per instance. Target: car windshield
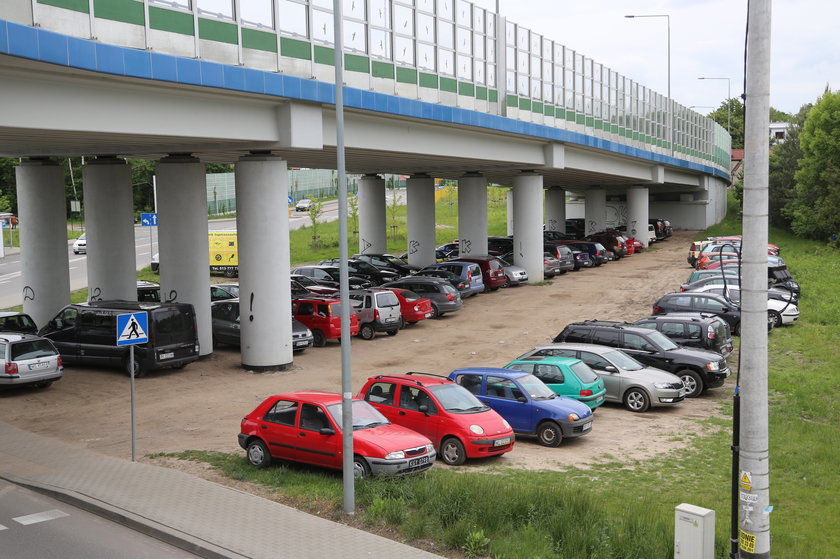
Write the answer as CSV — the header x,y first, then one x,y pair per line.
x,y
394,260
364,267
365,416
457,399
584,373
623,361
304,281
232,289
536,388
32,349
332,272
662,340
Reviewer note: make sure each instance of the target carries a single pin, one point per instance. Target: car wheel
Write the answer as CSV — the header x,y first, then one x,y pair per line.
x,y
230,273
361,469
507,282
367,332
737,329
452,452
637,400
138,370
392,332
550,434
435,312
776,319
692,382
258,455
318,338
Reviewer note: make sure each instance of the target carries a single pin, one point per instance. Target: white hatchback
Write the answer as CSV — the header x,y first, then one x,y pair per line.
x,y
80,245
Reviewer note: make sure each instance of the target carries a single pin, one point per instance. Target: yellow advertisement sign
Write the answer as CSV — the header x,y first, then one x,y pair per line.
x,y
746,542
223,249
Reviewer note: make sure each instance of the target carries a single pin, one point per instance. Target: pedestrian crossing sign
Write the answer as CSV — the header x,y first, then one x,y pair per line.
x,y
132,328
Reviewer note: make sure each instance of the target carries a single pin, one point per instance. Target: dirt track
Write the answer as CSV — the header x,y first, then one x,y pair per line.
x,y
200,406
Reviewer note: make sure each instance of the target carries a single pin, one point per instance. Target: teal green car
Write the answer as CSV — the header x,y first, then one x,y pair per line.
x,y
565,376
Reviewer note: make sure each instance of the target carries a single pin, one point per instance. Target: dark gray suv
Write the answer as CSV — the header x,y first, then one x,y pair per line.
x,y
703,331
441,294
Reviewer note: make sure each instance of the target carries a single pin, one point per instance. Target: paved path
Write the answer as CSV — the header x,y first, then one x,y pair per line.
x,y
200,516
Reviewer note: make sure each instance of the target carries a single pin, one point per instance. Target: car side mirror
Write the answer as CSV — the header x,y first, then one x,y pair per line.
x,y
326,431
423,408
522,399
610,369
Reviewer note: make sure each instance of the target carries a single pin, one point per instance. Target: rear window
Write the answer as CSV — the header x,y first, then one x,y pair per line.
x,y
17,322
32,349
387,299
172,321
584,373
410,295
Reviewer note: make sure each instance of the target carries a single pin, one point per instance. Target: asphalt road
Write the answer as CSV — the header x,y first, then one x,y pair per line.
x,y
34,526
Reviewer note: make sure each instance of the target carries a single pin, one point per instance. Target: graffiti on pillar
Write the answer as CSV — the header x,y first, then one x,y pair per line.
x,y
28,293
466,246
96,294
633,228
173,297
552,225
365,245
521,254
413,247
251,317
591,227
614,216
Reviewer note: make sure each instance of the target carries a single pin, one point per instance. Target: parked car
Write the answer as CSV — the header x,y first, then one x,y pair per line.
x,y
361,269
552,236
306,427
322,316
86,333
222,291
148,292
530,406
514,275
468,272
378,310
582,259
413,308
700,330
627,381
442,296
566,377
492,270
387,262
499,245
13,321
463,287
562,253
658,228
225,324
329,276
313,286
732,281
611,241
80,245
303,205
596,250
652,238
711,303
698,369
551,266
28,360
459,425
781,312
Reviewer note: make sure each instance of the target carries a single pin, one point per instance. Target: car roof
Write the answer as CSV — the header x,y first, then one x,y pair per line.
x,y
312,396
116,304
683,317
551,359
4,314
497,371
12,337
594,348
415,378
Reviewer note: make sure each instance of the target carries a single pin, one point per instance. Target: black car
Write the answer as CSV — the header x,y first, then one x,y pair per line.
x,y
443,297
698,369
454,279
703,331
597,252
387,262
361,269
576,226
225,323
688,301
329,276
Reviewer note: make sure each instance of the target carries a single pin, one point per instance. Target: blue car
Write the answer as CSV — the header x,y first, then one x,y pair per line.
x,y
530,406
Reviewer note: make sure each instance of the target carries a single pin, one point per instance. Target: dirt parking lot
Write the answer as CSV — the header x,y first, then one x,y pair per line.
x,y
200,406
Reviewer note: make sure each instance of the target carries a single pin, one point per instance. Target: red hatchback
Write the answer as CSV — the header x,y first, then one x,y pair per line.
x,y
413,308
458,424
492,270
323,317
306,427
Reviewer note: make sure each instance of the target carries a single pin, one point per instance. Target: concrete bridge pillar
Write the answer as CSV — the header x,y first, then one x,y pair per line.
x,y
372,228
595,210
420,202
265,315
472,215
509,201
638,209
45,271
527,224
109,219
555,209
184,248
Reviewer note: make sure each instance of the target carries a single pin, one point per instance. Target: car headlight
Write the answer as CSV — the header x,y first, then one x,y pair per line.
x,y
477,429
308,333
506,424
430,447
663,385
713,366
574,417
398,455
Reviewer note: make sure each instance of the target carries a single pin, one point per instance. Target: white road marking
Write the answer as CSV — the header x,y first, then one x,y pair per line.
x,y
3,527
9,276
40,517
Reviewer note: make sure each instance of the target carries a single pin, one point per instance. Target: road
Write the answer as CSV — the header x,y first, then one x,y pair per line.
x,y
33,526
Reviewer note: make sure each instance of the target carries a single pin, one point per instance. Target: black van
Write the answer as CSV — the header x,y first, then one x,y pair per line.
x,y
86,333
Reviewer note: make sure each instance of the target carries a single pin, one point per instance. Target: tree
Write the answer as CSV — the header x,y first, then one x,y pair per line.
x,y
353,206
393,206
815,212
315,211
731,110
784,161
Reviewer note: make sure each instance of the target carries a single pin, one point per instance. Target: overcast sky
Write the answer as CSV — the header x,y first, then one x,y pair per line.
x,y
707,39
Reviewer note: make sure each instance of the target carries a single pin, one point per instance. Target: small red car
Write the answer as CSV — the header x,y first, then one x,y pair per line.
x,y
323,317
306,427
413,308
459,425
492,270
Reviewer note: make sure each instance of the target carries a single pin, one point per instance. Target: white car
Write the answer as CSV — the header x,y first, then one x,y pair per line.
x,y
781,312
303,205
80,245
651,234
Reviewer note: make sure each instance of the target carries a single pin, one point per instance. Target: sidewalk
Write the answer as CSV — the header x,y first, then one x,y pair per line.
x,y
199,516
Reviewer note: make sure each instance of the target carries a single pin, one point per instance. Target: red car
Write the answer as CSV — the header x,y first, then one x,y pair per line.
x,y
458,424
306,427
492,270
413,308
323,317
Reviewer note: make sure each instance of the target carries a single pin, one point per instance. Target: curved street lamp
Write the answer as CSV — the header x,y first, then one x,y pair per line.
x,y
728,104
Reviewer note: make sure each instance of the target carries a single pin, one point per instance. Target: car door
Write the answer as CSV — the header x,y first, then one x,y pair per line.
x,y
643,351
97,335
313,446
408,413
553,377
225,322
278,429
502,395
61,331
613,380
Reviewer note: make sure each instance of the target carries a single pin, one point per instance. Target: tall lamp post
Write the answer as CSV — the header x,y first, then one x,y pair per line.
x,y
728,102
670,110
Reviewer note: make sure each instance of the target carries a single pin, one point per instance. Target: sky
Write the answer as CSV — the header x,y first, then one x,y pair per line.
x,y
707,39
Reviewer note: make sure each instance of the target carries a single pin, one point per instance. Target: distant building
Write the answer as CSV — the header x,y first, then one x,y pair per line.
x,y
778,132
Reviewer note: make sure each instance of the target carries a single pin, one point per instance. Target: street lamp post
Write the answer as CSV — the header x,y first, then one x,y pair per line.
x,y
670,103
728,102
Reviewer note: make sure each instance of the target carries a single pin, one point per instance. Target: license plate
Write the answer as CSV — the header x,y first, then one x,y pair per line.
x,y
502,442
587,426
556,270
414,462
36,366
298,344
168,355
599,399
390,320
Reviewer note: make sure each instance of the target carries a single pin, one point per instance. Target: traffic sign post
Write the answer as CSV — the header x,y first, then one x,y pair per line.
x,y
132,329
149,220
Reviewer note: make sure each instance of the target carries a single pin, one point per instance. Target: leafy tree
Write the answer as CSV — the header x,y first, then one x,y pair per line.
x,y
353,206
780,116
393,205
784,161
731,109
315,211
815,212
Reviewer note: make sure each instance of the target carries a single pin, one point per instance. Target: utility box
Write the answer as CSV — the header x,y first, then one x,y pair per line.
x,y
694,532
